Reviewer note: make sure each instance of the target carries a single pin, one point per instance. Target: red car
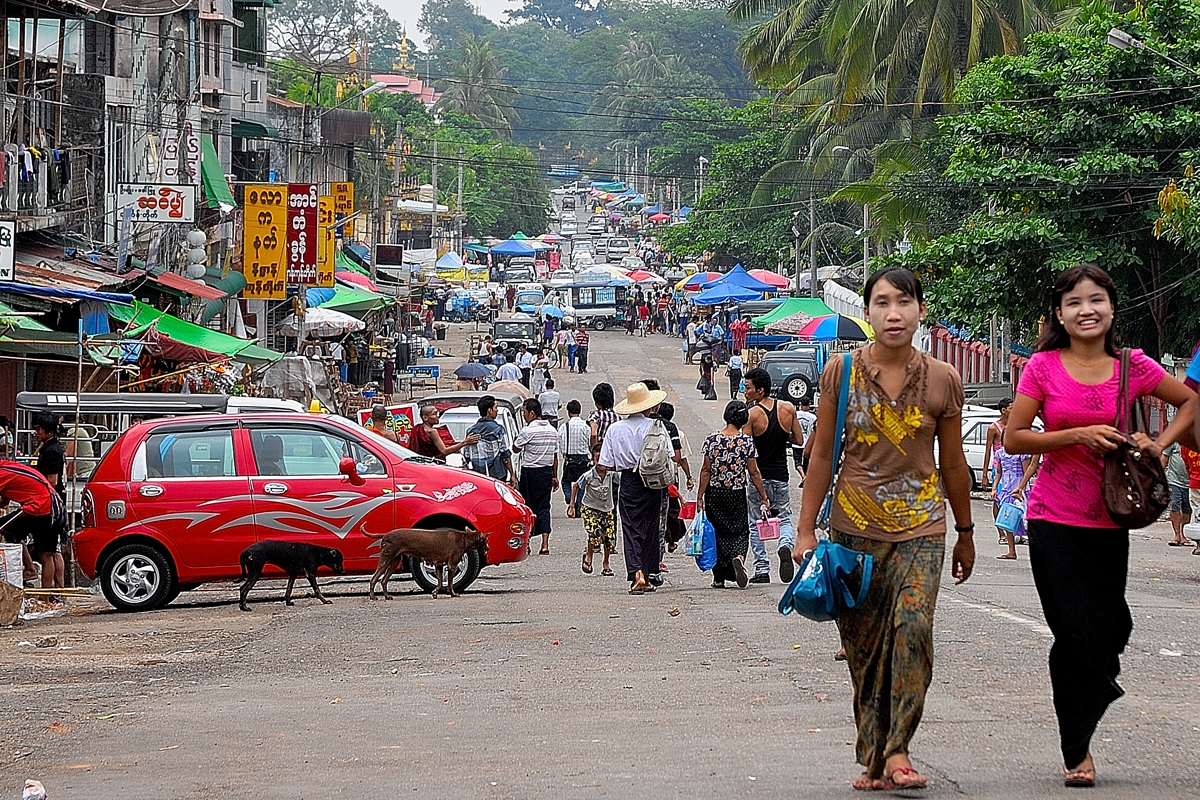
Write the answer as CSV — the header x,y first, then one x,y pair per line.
x,y
175,501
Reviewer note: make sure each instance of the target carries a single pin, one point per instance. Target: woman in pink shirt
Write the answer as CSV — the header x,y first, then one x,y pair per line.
x,y
1079,556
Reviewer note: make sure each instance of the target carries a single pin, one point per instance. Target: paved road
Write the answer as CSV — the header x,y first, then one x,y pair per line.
x,y
542,682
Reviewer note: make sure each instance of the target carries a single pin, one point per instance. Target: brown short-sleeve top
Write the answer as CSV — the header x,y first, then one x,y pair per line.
x,y
888,488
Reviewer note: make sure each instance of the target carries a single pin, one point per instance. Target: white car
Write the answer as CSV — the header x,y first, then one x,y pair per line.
x,y
975,423
568,229
459,420
562,277
582,261
595,225
569,216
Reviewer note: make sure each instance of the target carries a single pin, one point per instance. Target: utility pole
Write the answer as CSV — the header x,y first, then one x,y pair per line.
x,y
458,208
378,215
703,164
866,242
433,219
812,241
799,240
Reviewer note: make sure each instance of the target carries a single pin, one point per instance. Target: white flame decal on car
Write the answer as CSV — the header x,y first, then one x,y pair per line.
x,y
464,488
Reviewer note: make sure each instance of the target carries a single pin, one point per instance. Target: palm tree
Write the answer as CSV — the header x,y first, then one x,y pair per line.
x,y
475,88
915,50
641,76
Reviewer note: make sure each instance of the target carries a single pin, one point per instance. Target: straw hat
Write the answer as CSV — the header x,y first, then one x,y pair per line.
x,y
638,398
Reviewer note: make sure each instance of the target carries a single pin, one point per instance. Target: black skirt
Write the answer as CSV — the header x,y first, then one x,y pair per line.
x,y
536,486
726,510
639,524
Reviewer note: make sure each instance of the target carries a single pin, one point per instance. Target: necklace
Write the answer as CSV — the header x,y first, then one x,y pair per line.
x,y
1085,364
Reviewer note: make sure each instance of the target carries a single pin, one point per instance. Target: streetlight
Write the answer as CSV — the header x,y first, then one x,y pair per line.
x,y
842,150
1123,41
703,164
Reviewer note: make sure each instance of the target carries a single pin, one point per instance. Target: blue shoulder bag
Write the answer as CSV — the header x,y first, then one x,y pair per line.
x,y
833,577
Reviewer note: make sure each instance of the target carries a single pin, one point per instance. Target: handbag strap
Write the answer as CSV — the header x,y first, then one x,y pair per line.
x,y
1122,421
839,436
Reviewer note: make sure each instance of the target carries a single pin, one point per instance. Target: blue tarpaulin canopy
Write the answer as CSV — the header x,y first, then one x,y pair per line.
x,y
513,247
451,260
67,294
725,293
740,278
654,209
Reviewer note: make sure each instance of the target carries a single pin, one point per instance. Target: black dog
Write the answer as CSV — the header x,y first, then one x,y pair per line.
x,y
294,558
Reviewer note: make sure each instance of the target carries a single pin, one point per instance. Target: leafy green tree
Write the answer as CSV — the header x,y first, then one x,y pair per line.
x,y
476,88
447,23
573,16
1064,151
320,32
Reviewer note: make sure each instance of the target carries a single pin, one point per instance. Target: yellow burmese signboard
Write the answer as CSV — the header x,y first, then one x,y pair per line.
x,y
325,242
264,242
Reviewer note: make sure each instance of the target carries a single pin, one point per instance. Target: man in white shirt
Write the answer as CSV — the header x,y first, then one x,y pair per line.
x,y
508,371
807,421
691,332
574,445
550,400
639,506
525,364
538,445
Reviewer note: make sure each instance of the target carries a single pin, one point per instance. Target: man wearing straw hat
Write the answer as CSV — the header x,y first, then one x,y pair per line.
x,y
639,506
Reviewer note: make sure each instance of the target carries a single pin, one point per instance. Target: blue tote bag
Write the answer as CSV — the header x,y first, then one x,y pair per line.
x,y
833,577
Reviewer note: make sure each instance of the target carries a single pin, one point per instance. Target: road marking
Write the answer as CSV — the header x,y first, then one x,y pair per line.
x,y
1032,624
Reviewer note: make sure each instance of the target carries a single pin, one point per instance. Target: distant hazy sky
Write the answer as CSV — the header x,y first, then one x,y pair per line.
x,y
409,11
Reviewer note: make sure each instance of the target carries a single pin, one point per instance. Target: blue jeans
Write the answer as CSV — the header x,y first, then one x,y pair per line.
x,y
781,506
571,348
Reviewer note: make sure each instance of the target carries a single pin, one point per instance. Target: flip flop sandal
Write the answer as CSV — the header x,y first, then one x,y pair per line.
x,y
1007,557
1178,544
1079,778
587,568
889,784
866,783
607,572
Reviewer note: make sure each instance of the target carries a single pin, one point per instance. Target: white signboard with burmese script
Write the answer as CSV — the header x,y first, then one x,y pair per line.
x,y
158,202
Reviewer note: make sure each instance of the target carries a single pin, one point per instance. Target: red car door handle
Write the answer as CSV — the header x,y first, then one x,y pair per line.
x,y
275,488
150,490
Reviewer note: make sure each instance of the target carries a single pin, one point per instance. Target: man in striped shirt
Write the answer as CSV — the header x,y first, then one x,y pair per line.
x,y
581,348
604,416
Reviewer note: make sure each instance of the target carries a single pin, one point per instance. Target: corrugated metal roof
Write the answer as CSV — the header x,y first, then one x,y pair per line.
x,y
40,266
188,286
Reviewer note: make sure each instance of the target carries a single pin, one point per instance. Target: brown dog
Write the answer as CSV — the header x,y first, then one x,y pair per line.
x,y
440,547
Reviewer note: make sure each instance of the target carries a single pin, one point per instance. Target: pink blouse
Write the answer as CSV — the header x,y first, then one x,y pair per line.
x,y
1067,488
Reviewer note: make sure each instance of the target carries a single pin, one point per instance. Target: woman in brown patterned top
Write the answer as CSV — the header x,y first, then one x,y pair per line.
x,y
888,502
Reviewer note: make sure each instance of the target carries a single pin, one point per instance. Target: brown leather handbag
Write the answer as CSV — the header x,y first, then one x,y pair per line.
x,y
1135,485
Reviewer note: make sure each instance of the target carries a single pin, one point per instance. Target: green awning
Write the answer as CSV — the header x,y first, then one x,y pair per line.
x,y
793,305
105,350
257,356
252,129
216,188
18,322
141,316
355,301
343,263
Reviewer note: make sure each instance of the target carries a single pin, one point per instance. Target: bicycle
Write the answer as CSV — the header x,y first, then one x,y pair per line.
x,y
551,357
